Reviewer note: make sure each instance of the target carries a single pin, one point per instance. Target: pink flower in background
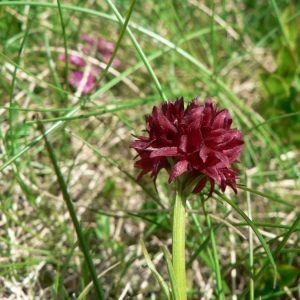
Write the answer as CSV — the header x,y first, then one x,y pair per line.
x,y
104,47
196,141
76,74
88,39
73,59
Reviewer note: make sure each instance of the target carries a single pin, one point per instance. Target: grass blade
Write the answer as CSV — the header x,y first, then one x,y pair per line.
x,y
256,231
175,293
292,229
68,200
65,43
219,280
151,266
244,188
140,51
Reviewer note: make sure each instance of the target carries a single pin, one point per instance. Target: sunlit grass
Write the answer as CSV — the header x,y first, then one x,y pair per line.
x,y
169,49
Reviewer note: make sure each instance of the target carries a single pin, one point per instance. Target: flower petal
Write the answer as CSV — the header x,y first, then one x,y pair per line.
x,y
208,112
222,120
165,151
178,169
200,185
213,173
204,152
183,143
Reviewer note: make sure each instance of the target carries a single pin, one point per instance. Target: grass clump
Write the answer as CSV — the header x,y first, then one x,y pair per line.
x,y
231,52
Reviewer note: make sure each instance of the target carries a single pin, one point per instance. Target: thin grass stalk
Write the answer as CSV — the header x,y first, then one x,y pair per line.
x,y
213,43
72,212
52,65
124,29
254,228
281,244
278,16
251,252
292,229
140,51
13,86
65,44
221,295
206,241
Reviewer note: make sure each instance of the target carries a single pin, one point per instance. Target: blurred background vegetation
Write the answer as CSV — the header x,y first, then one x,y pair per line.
x,y
242,54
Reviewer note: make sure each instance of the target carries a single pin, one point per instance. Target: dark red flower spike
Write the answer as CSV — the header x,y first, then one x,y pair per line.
x,y
197,141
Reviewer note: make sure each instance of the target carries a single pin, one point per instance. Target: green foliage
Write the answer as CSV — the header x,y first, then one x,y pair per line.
x,y
290,25
286,278
170,49
281,87
10,26
287,64
275,86
278,85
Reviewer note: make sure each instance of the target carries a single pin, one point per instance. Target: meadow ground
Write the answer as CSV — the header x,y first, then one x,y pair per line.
x,y
54,80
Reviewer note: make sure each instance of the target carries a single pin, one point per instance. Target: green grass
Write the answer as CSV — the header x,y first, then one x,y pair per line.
x,y
169,49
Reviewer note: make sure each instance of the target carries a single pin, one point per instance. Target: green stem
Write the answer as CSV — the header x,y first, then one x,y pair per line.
x,y
178,247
